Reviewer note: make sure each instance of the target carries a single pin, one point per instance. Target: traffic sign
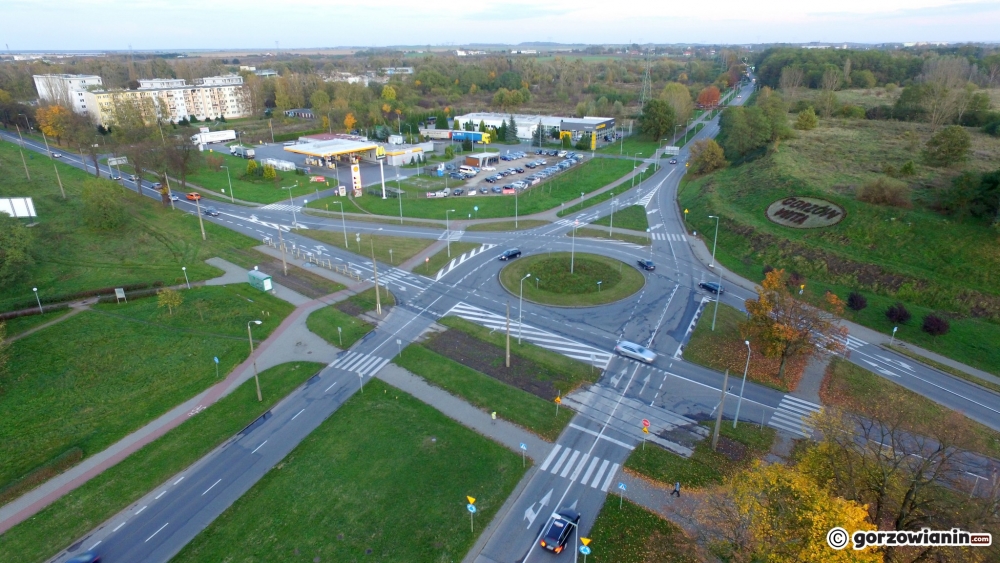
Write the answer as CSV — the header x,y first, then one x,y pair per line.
x,y
584,550
585,541
558,400
621,486
216,359
645,422
645,430
472,508
523,447
471,500
475,208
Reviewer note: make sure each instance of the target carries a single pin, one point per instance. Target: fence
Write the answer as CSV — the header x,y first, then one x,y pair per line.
x,y
311,258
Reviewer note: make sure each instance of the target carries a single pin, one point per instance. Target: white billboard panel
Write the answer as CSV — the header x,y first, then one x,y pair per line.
x,y
20,207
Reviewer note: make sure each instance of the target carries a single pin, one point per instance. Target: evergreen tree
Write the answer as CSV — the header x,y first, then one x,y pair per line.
x,y
482,126
511,135
502,131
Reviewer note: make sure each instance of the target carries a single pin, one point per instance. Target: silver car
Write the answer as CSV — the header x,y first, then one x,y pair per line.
x,y
635,351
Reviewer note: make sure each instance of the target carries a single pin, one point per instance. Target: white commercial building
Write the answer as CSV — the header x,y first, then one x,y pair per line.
x,y
66,89
527,125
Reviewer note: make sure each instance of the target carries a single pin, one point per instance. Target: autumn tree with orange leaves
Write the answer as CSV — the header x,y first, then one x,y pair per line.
x,y
53,121
785,327
709,97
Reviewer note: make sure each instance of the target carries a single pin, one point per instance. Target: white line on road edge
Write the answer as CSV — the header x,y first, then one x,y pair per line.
x,y
213,486
156,532
179,480
296,415
140,511
160,495
609,439
254,451
119,526
91,548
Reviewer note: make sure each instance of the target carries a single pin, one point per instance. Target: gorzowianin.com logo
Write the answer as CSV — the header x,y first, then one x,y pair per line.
x,y
838,538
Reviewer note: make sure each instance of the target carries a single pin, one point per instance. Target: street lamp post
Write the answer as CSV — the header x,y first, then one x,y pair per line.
x,y
231,198
35,289
745,369
255,378
20,149
381,172
342,222
520,306
611,224
716,241
572,248
291,202
634,167
447,229
186,281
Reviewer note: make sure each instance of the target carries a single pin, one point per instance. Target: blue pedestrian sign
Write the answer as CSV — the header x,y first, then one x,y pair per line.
x,y
476,208
584,550
472,508
621,486
216,359
523,447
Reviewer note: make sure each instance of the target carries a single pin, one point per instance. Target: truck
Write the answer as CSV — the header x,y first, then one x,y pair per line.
x,y
474,136
213,137
241,151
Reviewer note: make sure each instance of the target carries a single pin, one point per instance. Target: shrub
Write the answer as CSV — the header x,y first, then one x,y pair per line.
x,y
801,106
935,325
103,208
856,301
806,120
880,112
852,112
214,162
885,191
908,169
897,313
795,280
948,147
767,269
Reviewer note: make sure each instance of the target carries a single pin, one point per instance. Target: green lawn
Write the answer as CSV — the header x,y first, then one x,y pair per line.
x,y
402,248
632,534
431,266
512,404
521,225
70,257
115,368
416,187
632,217
917,256
562,188
630,145
602,234
325,322
604,196
366,299
386,476
557,286
111,491
334,214
24,324
704,467
214,182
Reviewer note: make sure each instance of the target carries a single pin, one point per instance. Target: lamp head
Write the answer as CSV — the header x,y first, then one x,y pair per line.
x,y
34,289
256,322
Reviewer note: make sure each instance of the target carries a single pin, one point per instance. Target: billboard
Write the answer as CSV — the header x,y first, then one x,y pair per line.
x,y
356,179
20,207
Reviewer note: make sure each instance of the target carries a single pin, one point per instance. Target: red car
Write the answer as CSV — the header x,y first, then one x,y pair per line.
x,y
193,196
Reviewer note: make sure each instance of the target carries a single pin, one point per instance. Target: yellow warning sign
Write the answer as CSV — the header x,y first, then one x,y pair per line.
x,y
585,541
645,430
558,400
471,500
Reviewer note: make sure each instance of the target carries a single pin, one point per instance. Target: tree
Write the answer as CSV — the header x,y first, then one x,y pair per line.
x,y
80,131
856,301
948,147
251,168
791,81
786,327
269,173
482,126
897,313
775,110
679,98
319,100
182,158
935,325
511,130
103,208
350,122
806,120
707,156
53,121
15,249
657,119
709,97
449,152
388,93
169,298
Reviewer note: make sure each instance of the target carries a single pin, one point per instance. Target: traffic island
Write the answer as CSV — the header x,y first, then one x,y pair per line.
x,y
594,279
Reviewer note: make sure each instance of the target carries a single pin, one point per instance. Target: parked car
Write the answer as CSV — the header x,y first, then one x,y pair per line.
x,y
647,265
520,184
497,189
560,530
562,153
519,170
489,168
491,179
449,166
712,287
510,254
193,196
457,176
484,190
457,191
472,191
211,212
635,351
531,165
442,193
86,557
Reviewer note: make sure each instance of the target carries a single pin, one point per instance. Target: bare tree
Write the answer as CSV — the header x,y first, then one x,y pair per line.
x,y
847,71
181,157
832,79
791,81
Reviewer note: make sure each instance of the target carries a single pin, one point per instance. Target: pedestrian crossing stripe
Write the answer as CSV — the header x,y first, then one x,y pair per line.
x,y
669,236
400,277
452,235
570,348
362,364
792,415
456,262
572,463
282,207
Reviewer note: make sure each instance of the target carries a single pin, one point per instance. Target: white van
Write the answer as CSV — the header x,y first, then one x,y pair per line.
x,y
468,170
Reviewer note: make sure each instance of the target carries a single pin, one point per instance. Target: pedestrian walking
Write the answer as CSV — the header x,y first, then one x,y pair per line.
x,y
677,489
493,415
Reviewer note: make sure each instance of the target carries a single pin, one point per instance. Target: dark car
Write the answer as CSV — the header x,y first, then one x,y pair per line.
x,y
712,287
211,212
560,529
86,557
510,254
497,189
458,191
647,265
457,176
519,170
449,166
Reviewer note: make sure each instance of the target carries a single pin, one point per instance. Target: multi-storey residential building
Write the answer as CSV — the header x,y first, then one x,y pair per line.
x,y
66,89
174,99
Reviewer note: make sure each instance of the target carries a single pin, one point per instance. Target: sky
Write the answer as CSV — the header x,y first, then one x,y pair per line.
x,y
258,24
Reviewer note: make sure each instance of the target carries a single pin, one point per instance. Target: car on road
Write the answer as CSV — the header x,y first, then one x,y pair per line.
x,y
510,254
116,177
133,177
57,155
647,265
211,212
560,529
635,351
156,185
86,557
712,287
193,196
173,197
673,161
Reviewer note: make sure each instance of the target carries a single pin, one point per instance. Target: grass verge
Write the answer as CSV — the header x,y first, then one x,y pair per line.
x,y
632,534
601,234
648,171
21,325
512,404
402,248
522,225
335,215
431,266
557,286
386,475
851,387
632,217
79,511
216,183
325,322
116,367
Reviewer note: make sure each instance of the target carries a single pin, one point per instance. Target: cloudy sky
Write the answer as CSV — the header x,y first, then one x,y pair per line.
x,y
257,24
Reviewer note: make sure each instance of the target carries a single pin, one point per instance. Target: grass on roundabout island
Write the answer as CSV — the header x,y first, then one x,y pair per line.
x,y
555,284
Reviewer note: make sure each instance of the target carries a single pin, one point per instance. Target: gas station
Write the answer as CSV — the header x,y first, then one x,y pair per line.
x,y
329,151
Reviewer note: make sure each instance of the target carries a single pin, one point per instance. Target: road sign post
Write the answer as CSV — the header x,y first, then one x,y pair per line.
x,y
340,334
558,402
471,507
216,366
524,448
361,380
621,495
585,549
645,430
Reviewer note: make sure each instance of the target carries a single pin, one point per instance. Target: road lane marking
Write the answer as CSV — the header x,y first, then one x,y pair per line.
x,y
579,467
140,511
593,464
296,415
160,495
601,436
330,387
569,464
600,473
562,458
179,480
552,454
254,450
156,532
91,548
212,487
118,527
607,481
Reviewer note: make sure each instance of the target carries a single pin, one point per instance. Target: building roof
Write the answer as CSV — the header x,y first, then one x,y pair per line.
x,y
482,155
332,147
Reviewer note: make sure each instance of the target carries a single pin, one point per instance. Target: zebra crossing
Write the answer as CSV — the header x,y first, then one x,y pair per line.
x,y
669,236
361,364
850,343
570,348
644,201
570,464
401,278
792,416
451,235
282,207
456,262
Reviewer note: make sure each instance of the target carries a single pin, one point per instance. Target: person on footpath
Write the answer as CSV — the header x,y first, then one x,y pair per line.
x,y
677,489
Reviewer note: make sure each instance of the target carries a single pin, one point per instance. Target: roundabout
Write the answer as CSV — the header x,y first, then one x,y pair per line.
x,y
596,280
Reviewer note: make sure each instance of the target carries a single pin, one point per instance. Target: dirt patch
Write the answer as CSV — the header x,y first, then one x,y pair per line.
x,y
299,280
350,308
489,359
732,449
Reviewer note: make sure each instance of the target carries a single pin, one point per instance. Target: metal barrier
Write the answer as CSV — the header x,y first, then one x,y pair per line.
x,y
311,258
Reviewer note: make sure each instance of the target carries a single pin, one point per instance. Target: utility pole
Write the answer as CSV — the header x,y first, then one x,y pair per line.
x,y
201,223
60,180
718,416
169,192
281,242
378,302
508,335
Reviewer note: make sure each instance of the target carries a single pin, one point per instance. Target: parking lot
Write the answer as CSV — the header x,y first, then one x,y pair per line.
x,y
516,172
